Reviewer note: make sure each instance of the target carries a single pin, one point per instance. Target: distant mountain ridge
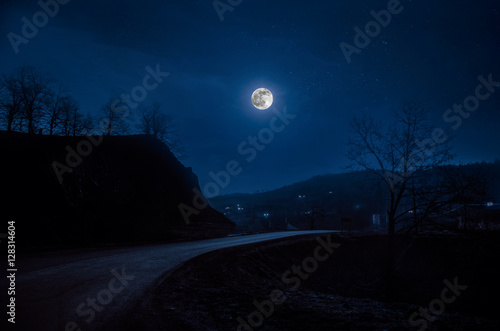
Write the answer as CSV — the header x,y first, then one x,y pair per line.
x,y
125,189
327,199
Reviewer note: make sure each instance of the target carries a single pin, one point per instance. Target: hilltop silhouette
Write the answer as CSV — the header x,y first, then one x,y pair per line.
x,y
127,189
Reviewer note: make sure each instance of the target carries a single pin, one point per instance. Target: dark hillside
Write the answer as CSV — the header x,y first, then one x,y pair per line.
x,y
356,195
127,189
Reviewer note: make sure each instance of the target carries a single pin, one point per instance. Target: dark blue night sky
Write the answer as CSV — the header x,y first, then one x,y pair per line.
x,y
431,52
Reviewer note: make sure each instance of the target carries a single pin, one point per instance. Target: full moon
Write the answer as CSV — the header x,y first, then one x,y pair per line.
x,y
262,98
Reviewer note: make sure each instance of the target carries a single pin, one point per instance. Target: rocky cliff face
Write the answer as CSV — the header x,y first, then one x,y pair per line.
x,y
91,190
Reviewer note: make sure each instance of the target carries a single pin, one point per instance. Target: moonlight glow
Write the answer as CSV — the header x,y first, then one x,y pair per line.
x,y
262,98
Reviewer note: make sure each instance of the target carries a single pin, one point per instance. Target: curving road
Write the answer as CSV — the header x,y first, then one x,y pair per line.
x,y
84,290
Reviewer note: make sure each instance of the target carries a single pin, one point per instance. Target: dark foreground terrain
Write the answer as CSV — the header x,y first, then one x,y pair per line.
x,y
345,292
73,192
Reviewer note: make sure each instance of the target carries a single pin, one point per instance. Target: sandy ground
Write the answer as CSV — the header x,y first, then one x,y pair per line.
x,y
345,292
87,289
